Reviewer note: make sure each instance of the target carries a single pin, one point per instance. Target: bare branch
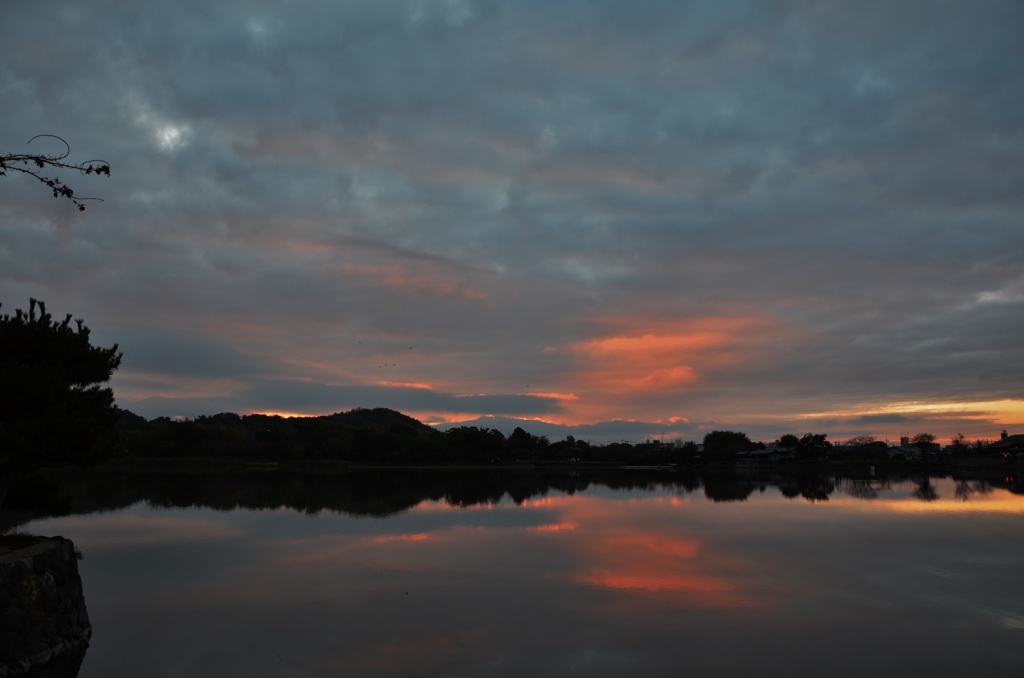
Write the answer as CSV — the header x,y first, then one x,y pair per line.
x,y
32,163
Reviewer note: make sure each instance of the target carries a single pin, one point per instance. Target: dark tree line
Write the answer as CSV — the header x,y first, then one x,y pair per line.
x,y
724,446
366,437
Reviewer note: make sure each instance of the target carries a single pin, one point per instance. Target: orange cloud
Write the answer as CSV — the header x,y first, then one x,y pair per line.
x,y
554,527
419,536
412,279
978,419
550,501
654,355
656,581
640,356
553,395
405,384
281,413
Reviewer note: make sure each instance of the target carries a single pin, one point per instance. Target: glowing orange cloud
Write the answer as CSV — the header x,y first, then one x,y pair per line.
x,y
405,384
282,414
554,396
550,501
978,419
554,527
655,581
658,356
635,358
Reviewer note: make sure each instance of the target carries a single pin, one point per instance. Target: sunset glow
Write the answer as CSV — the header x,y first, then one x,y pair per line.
x,y
512,338
664,359
652,233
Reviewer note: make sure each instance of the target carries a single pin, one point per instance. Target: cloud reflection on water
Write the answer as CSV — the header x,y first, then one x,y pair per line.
x,y
619,546
599,582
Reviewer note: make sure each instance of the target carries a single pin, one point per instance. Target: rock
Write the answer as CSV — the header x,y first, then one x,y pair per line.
x,y
40,656
13,620
11,644
44,625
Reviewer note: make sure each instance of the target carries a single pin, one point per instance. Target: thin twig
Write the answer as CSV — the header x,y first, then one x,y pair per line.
x,y
30,164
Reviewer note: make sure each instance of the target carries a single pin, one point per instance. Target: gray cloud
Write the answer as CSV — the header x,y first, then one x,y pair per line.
x,y
487,181
171,353
870,419
306,396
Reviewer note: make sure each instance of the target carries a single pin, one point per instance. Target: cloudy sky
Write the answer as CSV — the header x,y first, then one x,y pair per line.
x,y
617,219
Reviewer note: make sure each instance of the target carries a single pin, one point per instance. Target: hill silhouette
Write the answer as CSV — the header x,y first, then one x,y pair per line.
x,y
362,436
375,435
383,418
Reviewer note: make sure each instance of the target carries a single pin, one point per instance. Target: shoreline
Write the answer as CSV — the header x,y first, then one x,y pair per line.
x,y
986,464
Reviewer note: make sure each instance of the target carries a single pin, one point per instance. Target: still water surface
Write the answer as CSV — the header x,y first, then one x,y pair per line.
x,y
653,581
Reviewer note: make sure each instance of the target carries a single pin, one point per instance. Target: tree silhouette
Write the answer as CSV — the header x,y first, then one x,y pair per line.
x,y
724,444
52,405
923,441
813,447
33,164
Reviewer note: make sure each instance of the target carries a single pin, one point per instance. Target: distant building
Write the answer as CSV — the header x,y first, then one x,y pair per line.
x,y
1008,443
905,452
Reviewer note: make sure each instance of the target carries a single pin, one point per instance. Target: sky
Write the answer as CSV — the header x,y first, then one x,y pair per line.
x,y
616,220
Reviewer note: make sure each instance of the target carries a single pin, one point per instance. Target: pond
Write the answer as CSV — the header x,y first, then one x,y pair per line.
x,y
505,573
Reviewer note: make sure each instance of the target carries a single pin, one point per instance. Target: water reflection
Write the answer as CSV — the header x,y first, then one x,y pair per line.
x,y
385,492
925,490
965,489
485,573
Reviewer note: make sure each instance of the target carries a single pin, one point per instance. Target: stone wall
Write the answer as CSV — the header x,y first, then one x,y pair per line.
x,y
44,626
